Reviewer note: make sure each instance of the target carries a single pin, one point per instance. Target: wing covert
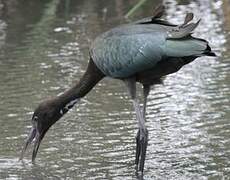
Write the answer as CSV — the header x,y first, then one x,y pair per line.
x,y
124,55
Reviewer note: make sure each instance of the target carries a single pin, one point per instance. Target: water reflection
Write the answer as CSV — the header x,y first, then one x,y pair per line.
x,y
45,48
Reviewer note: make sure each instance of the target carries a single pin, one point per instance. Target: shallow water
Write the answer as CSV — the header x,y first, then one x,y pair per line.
x,y
44,48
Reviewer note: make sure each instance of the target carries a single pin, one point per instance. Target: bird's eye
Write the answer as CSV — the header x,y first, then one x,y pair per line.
x,y
35,118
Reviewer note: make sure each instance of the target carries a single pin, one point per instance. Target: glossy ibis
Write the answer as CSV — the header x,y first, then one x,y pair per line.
x,y
143,51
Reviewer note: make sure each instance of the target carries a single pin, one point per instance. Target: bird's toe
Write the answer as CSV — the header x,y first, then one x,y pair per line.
x,y
143,148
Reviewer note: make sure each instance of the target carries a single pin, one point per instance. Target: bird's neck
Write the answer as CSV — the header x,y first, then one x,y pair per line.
x,y
70,97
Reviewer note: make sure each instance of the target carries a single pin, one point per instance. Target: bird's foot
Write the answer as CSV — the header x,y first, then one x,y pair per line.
x,y
141,147
138,149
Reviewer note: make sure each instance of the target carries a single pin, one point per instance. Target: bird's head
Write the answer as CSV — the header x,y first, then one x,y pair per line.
x,y
45,115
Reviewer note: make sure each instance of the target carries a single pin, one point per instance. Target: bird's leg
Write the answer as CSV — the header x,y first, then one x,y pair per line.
x,y
141,138
138,149
146,90
144,141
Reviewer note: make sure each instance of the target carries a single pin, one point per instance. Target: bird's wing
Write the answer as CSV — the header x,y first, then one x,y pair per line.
x,y
188,18
158,11
173,31
132,48
127,50
150,20
155,18
182,30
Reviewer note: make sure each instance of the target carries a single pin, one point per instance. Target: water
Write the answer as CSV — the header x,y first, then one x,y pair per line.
x,y
44,48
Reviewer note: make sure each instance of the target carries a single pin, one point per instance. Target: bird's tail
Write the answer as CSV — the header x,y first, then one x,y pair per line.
x,y
180,42
188,46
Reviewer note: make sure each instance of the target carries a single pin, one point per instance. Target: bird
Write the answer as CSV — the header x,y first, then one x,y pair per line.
x,y
143,51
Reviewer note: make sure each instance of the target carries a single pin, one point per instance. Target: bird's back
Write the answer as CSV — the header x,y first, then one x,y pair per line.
x,y
129,49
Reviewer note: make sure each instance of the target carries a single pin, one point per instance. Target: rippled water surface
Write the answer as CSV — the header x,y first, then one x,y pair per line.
x,y
44,49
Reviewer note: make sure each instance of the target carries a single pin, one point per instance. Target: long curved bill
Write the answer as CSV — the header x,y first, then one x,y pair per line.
x,y
37,143
37,137
28,141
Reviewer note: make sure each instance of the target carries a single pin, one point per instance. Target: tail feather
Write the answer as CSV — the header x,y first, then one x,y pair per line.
x,y
187,47
188,18
182,31
208,51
